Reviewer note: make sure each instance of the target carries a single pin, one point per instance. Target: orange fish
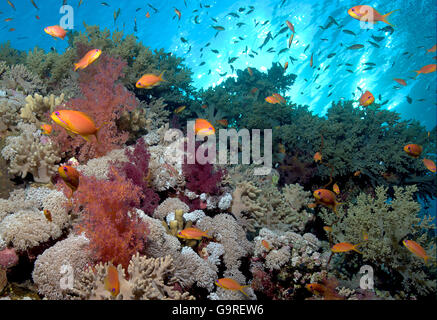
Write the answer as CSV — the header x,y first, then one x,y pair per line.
x,y
149,80
290,25
311,60
366,99
230,284
357,173
37,17
203,127
9,19
312,205
265,244
426,69
429,164
316,288
46,128
344,247
400,81
254,90
433,49
56,32
204,106
290,40
193,233
336,189
180,109
48,215
178,13
70,176
112,283
416,249
413,150
365,236
11,4
272,100
368,14
11,29
250,71
223,122
327,198
317,157
327,228
147,14
89,58
281,148
278,97
286,65
76,122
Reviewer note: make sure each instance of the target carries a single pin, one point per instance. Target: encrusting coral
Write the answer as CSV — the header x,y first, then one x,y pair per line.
x,y
31,152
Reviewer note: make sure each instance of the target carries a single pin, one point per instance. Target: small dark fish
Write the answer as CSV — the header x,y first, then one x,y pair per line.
x,y
421,100
348,70
202,63
189,49
22,38
269,36
116,14
209,71
405,53
330,86
219,28
239,24
206,6
306,48
233,14
327,67
318,87
195,10
256,23
331,55
105,4
355,47
223,74
251,55
370,64
241,9
215,20
249,12
282,50
184,40
34,4
232,59
254,52
329,94
368,68
153,8
195,20
380,97
207,45
383,103
349,32
387,29
241,38
373,44
409,100
347,64
215,51
135,25
265,22
324,39
232,68
378,39
271,49
282,31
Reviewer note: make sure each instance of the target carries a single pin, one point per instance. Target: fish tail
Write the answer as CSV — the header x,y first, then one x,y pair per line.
x,y
160,76
356,250
384,17
76,66
241,289
207,235
418,72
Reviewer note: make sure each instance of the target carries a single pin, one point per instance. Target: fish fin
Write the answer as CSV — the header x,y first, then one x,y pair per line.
x,y
87,138
160,76
241,289
356,250
76,66
207,235
384,18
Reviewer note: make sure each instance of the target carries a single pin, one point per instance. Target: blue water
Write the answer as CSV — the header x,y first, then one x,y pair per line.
x,y
162,31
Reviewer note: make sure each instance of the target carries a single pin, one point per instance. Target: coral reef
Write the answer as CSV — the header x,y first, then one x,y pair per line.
x,y
10,104
38,108
148,279
17,77
30,152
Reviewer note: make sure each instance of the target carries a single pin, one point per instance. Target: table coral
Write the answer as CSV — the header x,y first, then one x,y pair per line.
x,y
26,153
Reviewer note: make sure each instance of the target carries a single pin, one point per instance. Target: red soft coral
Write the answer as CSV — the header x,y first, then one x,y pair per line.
x,y
104,101
104,206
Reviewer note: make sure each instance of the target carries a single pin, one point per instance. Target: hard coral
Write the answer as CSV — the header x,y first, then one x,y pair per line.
x,y
104,101
115,234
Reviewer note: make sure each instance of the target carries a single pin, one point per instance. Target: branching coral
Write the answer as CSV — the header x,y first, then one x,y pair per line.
x,y
104,206
387,221
148,279
104,101
38,107
32,153
10,104
19,78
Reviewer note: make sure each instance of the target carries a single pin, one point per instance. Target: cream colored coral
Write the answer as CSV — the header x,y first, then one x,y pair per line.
x,y
170,205
37,106
59,266
149,279
26,153
99,167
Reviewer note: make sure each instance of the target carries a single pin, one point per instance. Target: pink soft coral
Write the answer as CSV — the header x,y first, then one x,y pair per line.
x,y
107,217
104,101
